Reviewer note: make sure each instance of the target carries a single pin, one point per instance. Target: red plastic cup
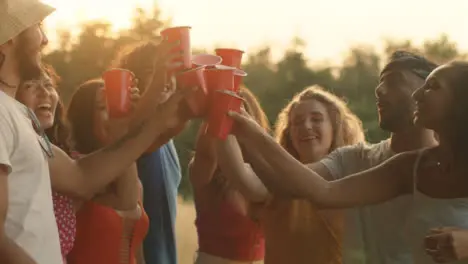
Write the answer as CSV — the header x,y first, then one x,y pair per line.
x,y
231,57
198,101
205,60
237,83
219,79
219,123
181,34
238,76
117,83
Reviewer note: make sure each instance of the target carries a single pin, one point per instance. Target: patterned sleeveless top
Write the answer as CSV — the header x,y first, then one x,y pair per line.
x,y
66,222
66,219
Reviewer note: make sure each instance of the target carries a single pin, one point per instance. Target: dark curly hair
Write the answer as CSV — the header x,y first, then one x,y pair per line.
x,y
137,59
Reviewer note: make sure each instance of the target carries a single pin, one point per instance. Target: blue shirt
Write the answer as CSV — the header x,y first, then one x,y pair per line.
x,y
160,176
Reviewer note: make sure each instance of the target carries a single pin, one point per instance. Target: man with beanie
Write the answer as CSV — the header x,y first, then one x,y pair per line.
x,y
378,231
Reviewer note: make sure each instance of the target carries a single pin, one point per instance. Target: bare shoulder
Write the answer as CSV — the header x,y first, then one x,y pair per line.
x,y
403,164
408,157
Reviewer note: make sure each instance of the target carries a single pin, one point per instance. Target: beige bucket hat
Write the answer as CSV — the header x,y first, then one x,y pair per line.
x,y
18,15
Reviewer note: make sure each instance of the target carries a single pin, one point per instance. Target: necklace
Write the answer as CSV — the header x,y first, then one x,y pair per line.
x,y
443,167
8,85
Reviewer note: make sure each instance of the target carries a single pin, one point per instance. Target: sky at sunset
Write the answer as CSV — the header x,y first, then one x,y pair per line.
x,y
329,27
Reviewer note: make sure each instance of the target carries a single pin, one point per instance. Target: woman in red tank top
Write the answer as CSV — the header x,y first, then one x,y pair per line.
x,y
228,231
110,229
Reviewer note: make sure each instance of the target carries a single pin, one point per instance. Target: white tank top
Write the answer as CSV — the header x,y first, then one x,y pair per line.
x,y
431,213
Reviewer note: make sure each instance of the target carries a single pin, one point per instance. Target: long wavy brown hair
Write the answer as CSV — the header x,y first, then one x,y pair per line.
x,y
137,58
81,117
347,127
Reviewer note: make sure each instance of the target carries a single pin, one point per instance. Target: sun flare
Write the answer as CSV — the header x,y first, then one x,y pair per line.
x,y
328,27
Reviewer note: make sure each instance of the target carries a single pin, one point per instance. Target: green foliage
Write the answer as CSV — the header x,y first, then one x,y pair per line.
x,y
274,82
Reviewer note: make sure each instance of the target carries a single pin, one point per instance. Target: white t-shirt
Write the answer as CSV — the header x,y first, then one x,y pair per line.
x,y
30,218
373,234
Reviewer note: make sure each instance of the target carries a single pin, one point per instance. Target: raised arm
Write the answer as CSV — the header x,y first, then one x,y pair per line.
x,y
376,185
264,171
124,193
240,174
204,163
90,174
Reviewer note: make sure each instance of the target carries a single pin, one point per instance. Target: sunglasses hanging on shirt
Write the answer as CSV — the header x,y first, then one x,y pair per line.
x,y
44,140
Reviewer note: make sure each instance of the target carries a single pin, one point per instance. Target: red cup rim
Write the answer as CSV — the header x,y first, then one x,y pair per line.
x,y
240,72
224,67
237,71
230,93
190,70
220,49
120,69
171,28
217,69
194,57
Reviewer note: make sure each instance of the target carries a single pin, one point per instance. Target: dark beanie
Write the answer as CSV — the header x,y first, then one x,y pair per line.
x,y
403,60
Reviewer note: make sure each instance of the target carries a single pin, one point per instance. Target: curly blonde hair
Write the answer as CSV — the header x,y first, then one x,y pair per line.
x,y
347,127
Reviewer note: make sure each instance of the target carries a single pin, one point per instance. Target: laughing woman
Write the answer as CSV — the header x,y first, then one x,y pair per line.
x,y
108,231
43,99
312,125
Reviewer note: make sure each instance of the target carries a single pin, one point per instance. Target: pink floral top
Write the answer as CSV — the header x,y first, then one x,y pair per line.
x,y
66,222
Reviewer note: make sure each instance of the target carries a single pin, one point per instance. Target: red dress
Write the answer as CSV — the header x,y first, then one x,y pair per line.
x,y
99,235
66,222
224,232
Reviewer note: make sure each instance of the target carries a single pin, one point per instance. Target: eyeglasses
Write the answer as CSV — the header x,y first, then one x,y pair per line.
x,y
44,140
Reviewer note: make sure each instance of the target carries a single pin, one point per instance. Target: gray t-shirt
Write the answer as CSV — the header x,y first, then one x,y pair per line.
x,y
373,234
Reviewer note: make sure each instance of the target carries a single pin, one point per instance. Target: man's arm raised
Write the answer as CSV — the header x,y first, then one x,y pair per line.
x,y
89,174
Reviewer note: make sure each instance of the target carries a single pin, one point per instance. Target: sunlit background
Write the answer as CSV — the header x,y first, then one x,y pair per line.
x,y
329,27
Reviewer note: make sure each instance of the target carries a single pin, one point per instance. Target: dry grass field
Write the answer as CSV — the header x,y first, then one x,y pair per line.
x,y
186,232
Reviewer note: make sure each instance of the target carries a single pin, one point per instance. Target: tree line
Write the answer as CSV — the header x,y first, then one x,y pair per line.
x,y
274,82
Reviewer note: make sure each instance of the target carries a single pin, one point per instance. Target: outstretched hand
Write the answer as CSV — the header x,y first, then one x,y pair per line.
x,y
447,244
163,62
244,124
117,127
170,112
